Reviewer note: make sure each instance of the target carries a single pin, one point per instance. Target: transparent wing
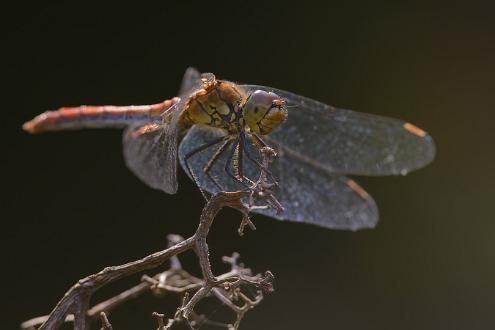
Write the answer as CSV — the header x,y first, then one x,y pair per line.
x,y
312,195
190,81
150,152
196,137
308,194
348,142
150,149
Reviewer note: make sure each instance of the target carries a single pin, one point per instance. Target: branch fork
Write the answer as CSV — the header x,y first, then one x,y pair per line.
x,y
75,305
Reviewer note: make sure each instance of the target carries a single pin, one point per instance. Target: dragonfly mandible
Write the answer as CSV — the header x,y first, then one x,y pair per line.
x,y
216,128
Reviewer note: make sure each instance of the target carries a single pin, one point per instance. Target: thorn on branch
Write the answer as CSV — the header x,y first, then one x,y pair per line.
x,y
245,221
105,324
161,323
232,260
266,282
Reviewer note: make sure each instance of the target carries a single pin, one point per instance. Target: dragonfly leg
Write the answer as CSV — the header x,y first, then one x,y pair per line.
x,y
195,151
228,164
213,160
238,160
240,171
258,140
254,160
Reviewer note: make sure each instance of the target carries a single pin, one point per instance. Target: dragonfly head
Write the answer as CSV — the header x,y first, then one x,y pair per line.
x,y
264,111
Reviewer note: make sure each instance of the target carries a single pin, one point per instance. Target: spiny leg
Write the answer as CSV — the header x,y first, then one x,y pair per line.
x,y
238,158
240,151
195,151
213,160
258,141
228,164
265,186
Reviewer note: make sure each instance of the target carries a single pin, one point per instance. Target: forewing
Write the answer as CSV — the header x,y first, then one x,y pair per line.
x,y
308,194
190,81
150,152
349,142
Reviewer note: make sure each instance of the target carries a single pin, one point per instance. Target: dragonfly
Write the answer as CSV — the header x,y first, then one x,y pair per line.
x,y
215,129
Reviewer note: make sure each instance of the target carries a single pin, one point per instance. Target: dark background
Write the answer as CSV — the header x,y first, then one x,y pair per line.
x,y
71,207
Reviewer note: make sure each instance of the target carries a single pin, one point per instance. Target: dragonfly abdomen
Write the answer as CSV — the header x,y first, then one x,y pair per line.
x,y
96,116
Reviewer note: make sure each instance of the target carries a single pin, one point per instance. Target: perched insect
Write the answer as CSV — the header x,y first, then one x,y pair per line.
x,y
216,129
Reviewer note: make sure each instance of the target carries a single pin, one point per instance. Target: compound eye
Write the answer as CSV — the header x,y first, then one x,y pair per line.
x,y
264,111
263,99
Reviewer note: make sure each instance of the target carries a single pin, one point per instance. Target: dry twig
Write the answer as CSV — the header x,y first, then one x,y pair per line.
x,y
75,305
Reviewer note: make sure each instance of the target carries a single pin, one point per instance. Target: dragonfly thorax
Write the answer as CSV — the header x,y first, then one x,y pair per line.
x,y
224,105
217,104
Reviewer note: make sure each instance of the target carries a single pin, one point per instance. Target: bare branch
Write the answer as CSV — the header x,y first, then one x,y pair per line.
x,y
81,306
87,286
74,306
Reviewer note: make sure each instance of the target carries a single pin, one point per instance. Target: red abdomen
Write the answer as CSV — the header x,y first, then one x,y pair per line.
x,y
96,116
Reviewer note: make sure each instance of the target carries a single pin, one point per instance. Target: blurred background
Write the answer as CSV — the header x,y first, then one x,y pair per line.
x,y
70,206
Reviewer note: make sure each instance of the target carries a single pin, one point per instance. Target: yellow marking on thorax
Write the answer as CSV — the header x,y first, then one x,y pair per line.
x,y
210,103
414,130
